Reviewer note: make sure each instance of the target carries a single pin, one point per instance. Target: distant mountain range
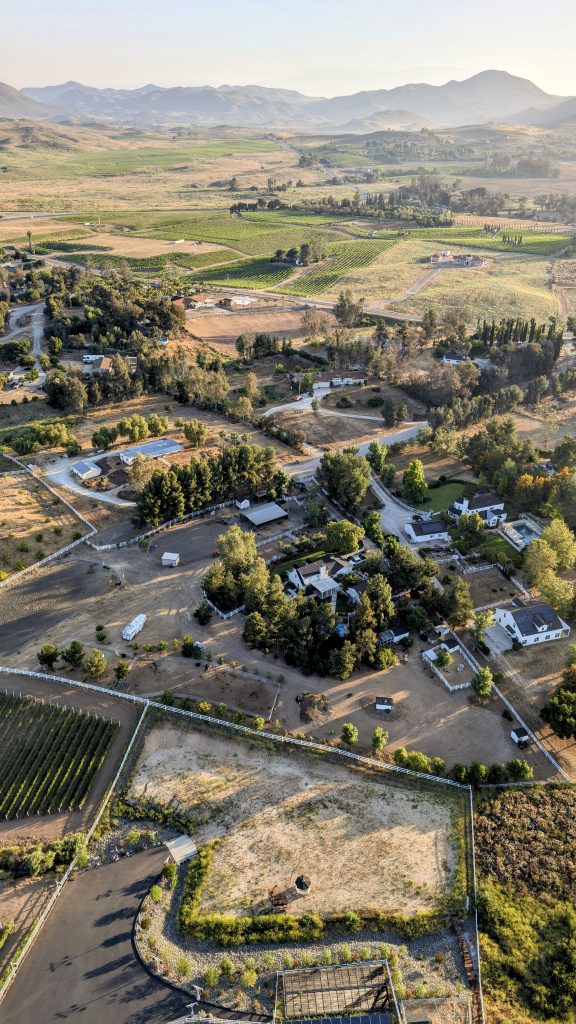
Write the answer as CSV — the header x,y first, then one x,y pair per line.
x,y
491,96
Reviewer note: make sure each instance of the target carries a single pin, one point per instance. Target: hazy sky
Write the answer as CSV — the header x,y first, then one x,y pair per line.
x,y
324,47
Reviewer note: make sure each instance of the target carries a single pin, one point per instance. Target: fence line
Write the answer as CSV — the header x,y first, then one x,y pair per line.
x,y
540,745
15,577
199,514
223,615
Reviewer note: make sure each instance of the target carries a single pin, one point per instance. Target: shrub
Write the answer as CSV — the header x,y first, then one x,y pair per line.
x,y
349,734
212,976
183,967
170,874
156,894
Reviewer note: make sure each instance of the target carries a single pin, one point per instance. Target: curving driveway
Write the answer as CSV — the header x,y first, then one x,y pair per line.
x,y
82,966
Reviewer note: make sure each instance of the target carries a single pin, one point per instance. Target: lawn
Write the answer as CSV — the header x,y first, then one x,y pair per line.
x,y
439,498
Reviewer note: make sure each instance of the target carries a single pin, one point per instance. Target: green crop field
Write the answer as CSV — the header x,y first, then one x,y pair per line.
x,y
49,756
254,273
343,257
154,264
539,243
255,234
44,164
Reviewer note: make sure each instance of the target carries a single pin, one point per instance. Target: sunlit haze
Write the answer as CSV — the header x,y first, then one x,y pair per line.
x,y
324,47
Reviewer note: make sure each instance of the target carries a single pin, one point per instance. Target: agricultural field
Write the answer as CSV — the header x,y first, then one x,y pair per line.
x,y
366,843
33,523
538,243
49,756
251,233
341,258
253,273
152,264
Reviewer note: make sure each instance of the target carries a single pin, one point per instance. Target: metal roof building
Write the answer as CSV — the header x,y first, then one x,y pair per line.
x,y
151,449
263,514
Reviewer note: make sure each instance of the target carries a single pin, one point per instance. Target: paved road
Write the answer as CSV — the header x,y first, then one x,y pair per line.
x,y
60,472
36,313
82,967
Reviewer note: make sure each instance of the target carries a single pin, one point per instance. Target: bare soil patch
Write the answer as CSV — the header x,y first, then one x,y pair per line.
x,y
531,677
219,331
139,247
360,397
326,430
363,842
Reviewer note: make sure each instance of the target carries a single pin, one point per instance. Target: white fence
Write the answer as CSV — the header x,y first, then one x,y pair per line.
x,y
200,514
223,615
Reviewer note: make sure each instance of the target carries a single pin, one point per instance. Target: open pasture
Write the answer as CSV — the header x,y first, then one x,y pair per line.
x,y
49,756
365,842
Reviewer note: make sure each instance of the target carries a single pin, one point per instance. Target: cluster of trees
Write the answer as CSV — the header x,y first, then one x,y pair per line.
x,y
42,435
510,464
74,655
32,861
560,711
517,331
262,345
118,314
345,477
545,557
239,469
306,254
16,351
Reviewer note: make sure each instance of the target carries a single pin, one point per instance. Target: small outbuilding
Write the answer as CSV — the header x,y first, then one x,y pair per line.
x,y
86,470
170,559
520,736
384,705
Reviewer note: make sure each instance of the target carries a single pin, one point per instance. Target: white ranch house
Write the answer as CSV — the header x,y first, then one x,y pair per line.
x,y
486,504
533,623
322,576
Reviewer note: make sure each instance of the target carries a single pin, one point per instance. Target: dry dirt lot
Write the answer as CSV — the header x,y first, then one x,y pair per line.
x,y
33,523
129,245
488,587
426,716
219,331
326,430
360,396
364,842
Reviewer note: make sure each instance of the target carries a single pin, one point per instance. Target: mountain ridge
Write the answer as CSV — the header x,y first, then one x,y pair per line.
x,y
487,96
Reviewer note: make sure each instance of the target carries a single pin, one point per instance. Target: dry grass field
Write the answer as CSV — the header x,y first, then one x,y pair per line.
x,y
532,676
507,286
364,842
33,523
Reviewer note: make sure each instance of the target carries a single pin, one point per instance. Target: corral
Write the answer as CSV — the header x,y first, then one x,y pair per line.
x,y
364,841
